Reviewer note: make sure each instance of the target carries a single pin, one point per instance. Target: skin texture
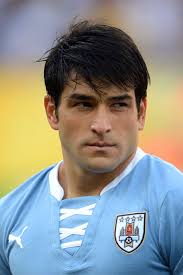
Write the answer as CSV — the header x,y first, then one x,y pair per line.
x,y
98,134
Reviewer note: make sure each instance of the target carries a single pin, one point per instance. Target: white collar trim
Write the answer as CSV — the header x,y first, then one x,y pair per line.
x,y
57,191
138,156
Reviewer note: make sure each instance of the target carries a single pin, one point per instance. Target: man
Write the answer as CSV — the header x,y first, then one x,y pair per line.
x,y
108,207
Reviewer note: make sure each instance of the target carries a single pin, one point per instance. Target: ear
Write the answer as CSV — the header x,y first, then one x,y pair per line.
x,y
142,113
50,109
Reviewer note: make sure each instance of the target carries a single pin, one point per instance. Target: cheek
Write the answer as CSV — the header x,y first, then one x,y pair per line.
x,y
133,129
128,125
69,128
128,134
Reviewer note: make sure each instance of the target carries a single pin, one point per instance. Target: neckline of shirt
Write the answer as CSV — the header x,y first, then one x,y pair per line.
x,y
57,191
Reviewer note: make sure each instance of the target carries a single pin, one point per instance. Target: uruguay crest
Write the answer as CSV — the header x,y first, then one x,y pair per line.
x,y
130,231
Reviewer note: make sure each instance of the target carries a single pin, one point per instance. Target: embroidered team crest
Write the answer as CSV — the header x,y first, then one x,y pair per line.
x,y
130,231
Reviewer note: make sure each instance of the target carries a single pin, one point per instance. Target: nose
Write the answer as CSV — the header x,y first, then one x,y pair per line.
x,y
101,123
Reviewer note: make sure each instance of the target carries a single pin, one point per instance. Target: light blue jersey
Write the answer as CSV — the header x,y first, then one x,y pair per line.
x,y
134,227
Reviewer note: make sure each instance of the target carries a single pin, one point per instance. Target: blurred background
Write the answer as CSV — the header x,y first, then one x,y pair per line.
x,y
29,27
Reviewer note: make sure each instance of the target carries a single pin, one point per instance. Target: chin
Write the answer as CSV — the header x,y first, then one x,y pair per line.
x,y
100,166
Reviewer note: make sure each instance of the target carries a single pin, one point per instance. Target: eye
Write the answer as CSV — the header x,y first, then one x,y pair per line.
x,y
119,105
83,105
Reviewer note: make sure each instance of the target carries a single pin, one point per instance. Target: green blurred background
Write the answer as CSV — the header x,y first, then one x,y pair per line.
x,y
28,29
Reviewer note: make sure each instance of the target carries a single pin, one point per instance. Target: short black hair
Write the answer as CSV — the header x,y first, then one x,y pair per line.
x,y
100,55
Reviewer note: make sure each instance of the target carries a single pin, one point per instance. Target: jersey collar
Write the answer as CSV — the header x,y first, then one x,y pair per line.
x,y
57,191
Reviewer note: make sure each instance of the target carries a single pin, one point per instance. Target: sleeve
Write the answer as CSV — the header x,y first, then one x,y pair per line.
x,y
171,230
4,267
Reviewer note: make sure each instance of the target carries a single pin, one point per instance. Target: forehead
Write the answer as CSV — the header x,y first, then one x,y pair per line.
x,y
103,93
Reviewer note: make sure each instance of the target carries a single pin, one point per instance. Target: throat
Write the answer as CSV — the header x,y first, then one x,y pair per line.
x,y
77,184
82,186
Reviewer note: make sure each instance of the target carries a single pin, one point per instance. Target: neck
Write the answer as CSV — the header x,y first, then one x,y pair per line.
x,y
78,182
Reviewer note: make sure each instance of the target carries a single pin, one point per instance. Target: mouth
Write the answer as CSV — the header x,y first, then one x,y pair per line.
x,y
100,144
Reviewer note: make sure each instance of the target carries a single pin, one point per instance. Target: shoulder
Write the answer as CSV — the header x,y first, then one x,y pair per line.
x,y
14,209
24,194
161,181
163,173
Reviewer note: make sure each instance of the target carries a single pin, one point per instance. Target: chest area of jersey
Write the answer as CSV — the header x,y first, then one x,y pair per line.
x,y
113,229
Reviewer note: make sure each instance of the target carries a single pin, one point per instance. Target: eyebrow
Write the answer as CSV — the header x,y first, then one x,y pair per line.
x,y
120,97
77,96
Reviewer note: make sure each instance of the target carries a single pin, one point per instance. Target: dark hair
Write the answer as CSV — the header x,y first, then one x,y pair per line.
x,y
100,55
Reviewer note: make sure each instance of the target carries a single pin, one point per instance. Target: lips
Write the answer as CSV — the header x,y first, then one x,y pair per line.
x,y
101,144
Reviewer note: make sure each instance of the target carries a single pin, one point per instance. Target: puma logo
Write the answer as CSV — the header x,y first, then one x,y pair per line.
x,y
17,239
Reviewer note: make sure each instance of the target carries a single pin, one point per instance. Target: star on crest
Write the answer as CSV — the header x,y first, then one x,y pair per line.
x,y
140,218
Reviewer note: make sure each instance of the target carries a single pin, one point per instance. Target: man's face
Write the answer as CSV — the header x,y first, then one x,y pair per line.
x,y
97,133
